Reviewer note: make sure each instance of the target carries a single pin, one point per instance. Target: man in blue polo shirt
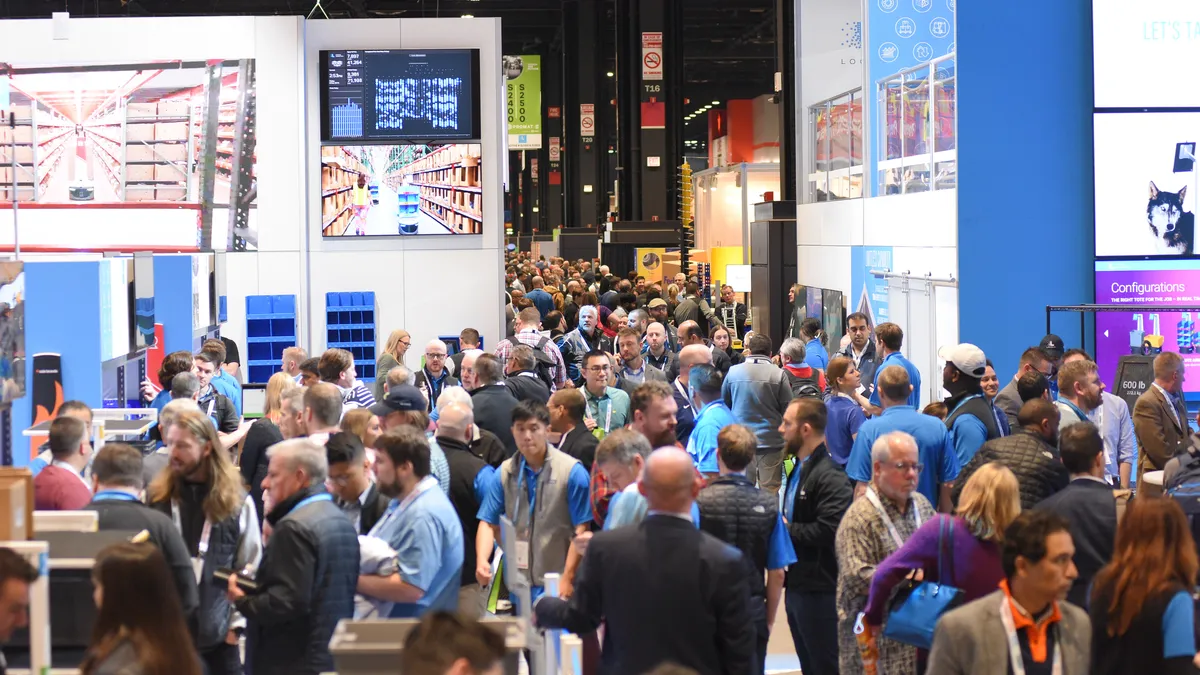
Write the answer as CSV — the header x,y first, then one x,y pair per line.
x,y
544,493
223,382
704,383
420,525
971,418
889,338
935,452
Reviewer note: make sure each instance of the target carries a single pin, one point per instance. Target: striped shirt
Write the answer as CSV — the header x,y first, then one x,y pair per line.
x,y
357,396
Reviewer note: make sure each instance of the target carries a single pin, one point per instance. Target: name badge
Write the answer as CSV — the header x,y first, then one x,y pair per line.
x,y
198,569
522,555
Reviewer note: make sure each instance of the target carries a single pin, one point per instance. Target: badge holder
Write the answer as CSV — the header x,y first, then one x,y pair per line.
x,y
516,578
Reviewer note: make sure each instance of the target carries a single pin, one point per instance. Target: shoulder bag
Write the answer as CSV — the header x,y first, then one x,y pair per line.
x,y
914,611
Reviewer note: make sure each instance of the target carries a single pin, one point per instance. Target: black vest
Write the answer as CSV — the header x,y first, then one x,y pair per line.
x,y
464,467
980,408
214,611
737,513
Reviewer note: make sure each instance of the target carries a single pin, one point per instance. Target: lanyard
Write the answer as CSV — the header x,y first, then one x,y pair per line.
x,y
964,401
608,417
1170,404
205,534
887,520
397,506
113,495
1014,645
683,392
67,467
1076,409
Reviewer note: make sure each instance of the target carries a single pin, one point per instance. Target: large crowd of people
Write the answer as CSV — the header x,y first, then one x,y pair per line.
x,y
687,479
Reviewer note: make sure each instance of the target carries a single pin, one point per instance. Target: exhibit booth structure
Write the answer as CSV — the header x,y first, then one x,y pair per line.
x,y
347,176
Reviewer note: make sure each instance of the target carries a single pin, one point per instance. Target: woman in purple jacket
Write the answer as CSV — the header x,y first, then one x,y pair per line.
x,y
990,500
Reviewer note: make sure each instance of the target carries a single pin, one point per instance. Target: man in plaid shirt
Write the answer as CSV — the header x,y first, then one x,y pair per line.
x,y
529,324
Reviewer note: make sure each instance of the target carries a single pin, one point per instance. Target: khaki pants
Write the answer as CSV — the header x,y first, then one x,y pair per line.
x,y
471,601
768,467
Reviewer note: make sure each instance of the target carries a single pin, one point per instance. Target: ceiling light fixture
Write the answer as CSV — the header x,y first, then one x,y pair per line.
x,y
609,74
716,103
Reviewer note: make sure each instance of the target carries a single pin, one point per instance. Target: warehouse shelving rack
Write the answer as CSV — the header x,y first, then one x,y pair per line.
x,y
175,174
350,325
451,186
340,169
270,328
40,154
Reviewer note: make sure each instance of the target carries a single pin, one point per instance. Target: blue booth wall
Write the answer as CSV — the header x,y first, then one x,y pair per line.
x,y
1025,185
62,313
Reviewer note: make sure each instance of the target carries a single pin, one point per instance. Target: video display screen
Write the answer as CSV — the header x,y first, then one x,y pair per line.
x,y
396,190
1138,49
1146,184
12,331
1148,282
380,96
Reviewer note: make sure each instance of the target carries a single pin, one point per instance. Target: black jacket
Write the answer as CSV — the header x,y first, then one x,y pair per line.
x,y
580,444
667,592
464,468
421,381
821,501
741,515
1032,460
490,449
733,317
527,387
222,411
685,417
306,585
253,460
1090,508
134,516
866,367
373,507
493,406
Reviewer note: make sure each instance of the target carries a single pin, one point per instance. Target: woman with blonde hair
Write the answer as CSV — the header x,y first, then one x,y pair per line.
x,y
140,627
393,355
201,490
970,552
263,434
1141,607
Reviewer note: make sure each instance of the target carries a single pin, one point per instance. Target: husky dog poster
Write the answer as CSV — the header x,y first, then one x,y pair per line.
x,y
1145,190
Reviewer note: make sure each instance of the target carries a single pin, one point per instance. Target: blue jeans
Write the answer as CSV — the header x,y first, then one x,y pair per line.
x,y
813,620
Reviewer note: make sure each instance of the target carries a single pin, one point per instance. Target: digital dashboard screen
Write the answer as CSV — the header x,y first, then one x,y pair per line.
x,y
385,96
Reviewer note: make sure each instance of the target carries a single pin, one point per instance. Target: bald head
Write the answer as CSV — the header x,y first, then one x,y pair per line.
x,y
689,333
692,355
669,481
454,421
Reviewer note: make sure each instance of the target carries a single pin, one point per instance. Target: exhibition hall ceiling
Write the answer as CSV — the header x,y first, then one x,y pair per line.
x,y
729,47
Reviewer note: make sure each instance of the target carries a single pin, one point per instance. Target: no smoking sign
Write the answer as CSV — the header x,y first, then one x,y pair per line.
x,y
652,56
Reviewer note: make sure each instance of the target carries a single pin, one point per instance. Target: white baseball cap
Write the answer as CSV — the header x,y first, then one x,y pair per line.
x,y
966,357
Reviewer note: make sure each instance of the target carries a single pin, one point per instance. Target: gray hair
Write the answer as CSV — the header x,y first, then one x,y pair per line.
x,y
639,315
400,375
184,385
305,454
294,398
621,446
452,395
792,350
174,409
881,451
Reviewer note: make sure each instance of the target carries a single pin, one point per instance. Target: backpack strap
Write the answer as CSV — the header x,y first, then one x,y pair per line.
x,y
542,343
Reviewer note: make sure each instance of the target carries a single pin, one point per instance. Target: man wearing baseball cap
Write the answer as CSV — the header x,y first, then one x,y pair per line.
x,y
972,419
1055,349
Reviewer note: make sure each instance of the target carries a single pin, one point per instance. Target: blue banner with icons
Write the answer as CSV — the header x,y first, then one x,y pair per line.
x,y
904,34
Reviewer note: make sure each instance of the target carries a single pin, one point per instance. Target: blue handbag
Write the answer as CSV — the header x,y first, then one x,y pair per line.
x,y
915,610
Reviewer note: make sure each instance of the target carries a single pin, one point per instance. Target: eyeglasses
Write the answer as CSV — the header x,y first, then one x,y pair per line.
x,y
598,369
434,356
406,343
342,480
905,466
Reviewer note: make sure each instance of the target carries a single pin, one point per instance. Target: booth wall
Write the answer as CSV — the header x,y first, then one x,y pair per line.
x,y
1024,244
429,286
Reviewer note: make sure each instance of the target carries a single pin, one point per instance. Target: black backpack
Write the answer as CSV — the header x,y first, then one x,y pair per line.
x,y
806,387
545,363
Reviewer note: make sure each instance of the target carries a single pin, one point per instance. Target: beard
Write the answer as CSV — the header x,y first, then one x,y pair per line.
x,y
664,438
391,490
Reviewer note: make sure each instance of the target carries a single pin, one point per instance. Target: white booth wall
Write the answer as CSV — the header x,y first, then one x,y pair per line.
x,y
428,285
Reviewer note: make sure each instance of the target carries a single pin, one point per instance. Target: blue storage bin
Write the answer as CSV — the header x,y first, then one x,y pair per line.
x,y
369,298
258,328
344,299
283,304
258,304
331,299
356,299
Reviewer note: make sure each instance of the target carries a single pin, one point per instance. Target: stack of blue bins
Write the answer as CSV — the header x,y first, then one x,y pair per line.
x,y
350,325
270,328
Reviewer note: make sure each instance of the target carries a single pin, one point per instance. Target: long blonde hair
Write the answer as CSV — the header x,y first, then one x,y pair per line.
x,y
393,342
276,386
990,501
226,495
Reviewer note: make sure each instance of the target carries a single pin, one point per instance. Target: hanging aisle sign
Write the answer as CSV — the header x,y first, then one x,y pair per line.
x,y
523,90
587,120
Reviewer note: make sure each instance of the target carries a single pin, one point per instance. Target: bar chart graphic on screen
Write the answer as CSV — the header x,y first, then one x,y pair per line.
x,y
347,119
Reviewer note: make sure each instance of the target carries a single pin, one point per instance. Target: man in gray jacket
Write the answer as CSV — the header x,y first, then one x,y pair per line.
x,y
758,394
1012,630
